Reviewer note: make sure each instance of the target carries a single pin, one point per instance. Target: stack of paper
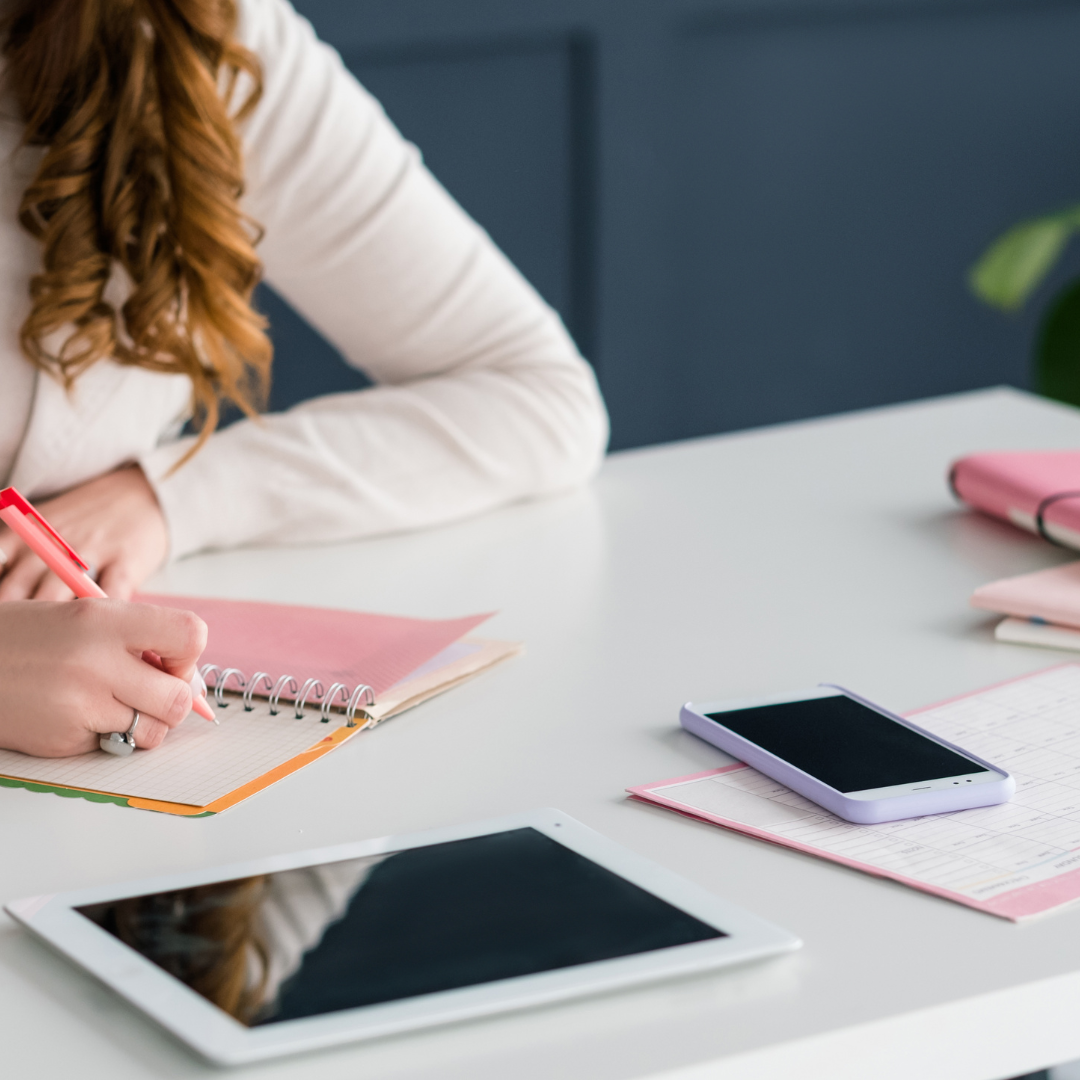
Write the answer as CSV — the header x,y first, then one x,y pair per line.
x,y
1038,491
1043,608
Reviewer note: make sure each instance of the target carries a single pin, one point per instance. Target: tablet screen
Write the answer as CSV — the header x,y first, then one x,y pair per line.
x,y
320,939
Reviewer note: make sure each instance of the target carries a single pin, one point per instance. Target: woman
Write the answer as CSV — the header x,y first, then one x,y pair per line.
x,y
157,157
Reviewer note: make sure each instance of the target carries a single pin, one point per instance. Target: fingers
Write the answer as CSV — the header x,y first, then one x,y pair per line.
x,y
177,637
118,580
72,671
163,701
150,732
50,587
172,638
162,694
17,581
22,575
26,577
154,693
113,520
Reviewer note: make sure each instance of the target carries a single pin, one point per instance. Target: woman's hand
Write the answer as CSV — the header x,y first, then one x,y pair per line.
x,y
113,522
72,671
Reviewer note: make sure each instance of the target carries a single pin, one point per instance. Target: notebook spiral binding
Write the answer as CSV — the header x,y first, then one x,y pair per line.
x,y
352,702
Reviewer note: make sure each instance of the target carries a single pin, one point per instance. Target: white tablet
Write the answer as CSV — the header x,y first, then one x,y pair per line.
x,y
279,955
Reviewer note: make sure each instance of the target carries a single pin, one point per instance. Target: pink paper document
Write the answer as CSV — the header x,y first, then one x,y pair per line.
x,y
1016,860
350,647
1053,595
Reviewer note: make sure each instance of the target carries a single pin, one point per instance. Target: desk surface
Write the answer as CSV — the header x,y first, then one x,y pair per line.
x,y
726,566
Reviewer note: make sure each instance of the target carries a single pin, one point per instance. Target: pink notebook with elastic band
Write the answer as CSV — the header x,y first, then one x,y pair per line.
x,y
1036,490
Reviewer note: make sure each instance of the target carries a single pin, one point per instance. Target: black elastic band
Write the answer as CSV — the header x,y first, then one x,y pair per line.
x,y
952,482
1042,508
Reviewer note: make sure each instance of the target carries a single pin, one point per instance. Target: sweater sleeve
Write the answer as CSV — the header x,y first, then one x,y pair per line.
x,y
480,396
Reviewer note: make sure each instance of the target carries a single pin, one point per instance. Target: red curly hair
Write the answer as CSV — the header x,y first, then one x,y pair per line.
x,y
136,102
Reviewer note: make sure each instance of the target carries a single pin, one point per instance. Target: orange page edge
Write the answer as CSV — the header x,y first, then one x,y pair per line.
x,y
305,757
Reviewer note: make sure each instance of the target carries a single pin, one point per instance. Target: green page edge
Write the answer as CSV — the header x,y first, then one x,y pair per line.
x,y
90,796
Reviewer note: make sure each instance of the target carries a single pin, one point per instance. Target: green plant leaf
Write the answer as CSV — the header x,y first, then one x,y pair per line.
x,y
1057,349
1013,265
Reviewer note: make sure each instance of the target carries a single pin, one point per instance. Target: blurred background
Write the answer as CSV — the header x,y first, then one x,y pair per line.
x,y
746,211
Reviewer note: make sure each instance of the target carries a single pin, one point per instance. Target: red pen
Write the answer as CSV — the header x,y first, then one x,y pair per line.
x,y
62,559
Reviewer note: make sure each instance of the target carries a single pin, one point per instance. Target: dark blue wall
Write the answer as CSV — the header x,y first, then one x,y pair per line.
x,y
746,212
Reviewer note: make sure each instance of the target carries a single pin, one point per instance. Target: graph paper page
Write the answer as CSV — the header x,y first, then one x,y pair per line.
x,y
200,763
197,763
1016,860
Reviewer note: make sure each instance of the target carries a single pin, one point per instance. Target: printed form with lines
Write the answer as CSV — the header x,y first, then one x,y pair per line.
x,y
1015,860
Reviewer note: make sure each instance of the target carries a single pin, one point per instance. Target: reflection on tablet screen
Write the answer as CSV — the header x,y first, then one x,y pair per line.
x,y
325,938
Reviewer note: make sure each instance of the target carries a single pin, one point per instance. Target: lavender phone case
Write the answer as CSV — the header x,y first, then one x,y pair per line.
x,y
860,811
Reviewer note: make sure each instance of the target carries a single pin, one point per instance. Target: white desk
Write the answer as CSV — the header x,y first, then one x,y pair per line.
x,y
724,566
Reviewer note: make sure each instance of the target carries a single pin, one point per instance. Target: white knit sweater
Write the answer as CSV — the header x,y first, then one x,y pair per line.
x,y
480,396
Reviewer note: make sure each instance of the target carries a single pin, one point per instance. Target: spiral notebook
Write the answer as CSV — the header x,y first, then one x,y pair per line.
x,y
292,684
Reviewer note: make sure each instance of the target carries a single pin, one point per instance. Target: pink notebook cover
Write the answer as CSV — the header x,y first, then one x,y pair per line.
x,y
1036,490
327,644
1052,595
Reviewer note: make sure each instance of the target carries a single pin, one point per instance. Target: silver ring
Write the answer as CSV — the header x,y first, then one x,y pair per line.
x,y
122,744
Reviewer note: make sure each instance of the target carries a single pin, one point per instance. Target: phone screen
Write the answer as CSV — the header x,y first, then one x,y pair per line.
x,y
845,744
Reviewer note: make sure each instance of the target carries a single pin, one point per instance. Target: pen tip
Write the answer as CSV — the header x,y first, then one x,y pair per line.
x,y
202,707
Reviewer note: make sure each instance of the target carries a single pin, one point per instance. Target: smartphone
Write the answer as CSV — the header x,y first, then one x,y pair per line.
x,y
854,758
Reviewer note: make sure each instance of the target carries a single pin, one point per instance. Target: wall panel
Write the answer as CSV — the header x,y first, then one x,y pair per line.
x,y
747,211
837,176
